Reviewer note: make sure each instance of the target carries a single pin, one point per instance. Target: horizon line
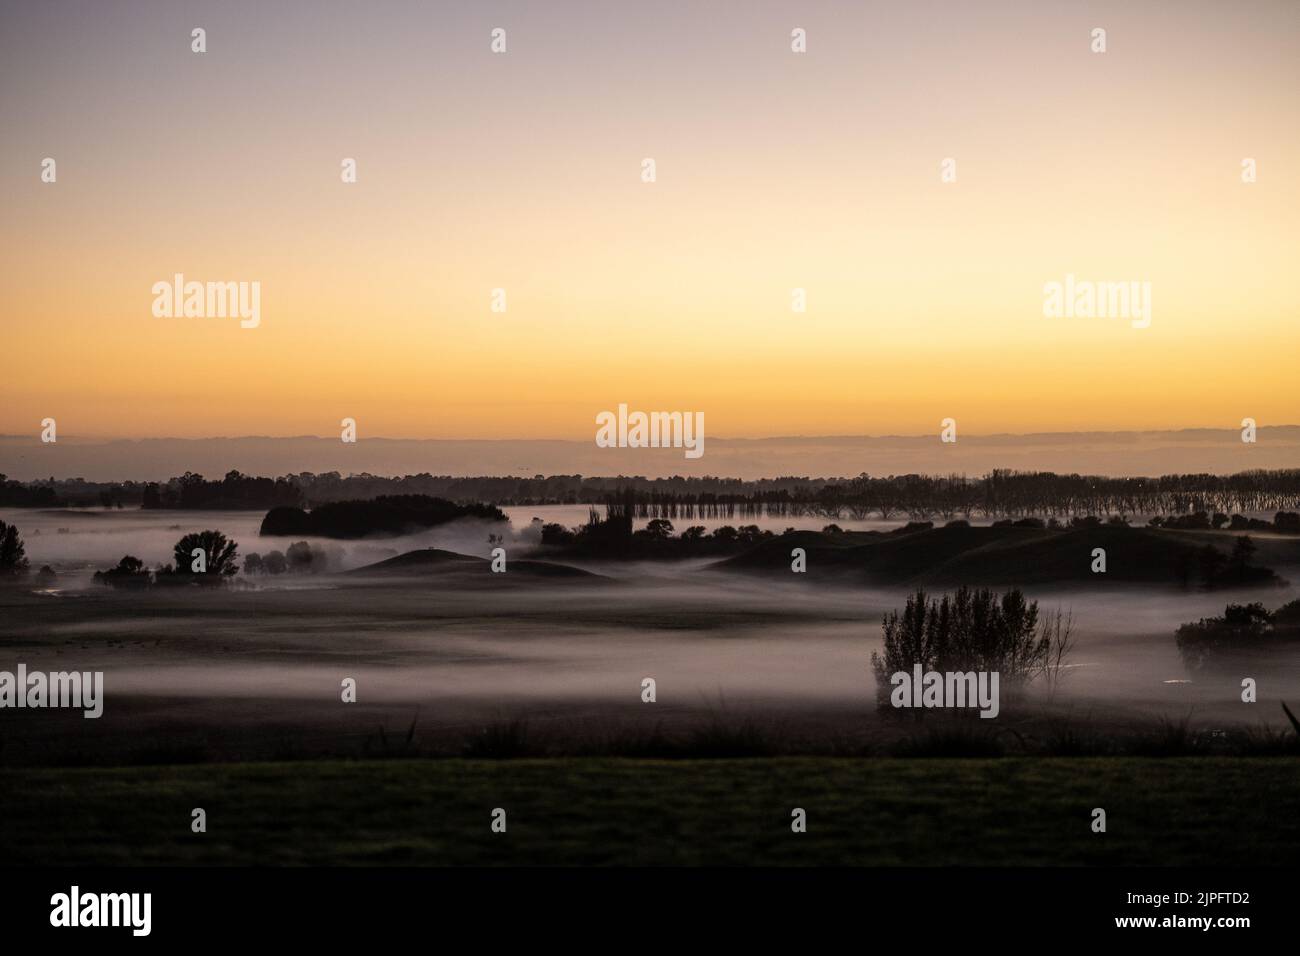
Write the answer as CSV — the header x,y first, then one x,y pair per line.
x,y
578,441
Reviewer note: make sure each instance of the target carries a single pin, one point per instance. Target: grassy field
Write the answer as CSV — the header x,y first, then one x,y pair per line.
x,y
1161,811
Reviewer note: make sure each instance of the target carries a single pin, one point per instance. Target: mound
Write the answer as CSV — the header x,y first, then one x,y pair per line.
x,y
998,556
1134,555
896,557
422,561
434,562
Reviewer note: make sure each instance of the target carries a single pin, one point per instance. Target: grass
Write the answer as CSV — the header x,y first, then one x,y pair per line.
x,y
990,811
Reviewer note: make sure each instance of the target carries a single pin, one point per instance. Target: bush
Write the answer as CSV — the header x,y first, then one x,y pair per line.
x,y
1198,521
556,534
972,630
657,529
1287,522
13,556
129,573
1244,629
1288,615
304,558
220,555
913,526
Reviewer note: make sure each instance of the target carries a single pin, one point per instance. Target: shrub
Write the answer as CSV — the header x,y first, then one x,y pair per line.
x,y
304,558
554,533
219,554
972,630
13,556
129,573
1243,629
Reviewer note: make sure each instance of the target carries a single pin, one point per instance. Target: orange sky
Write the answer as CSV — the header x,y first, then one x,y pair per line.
x,y
775,171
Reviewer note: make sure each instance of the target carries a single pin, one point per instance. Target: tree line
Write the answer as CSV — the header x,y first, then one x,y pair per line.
x,y
1001,493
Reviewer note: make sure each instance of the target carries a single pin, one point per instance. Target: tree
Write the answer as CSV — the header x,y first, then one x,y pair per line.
x,y
274,562
13,556
659,529
303,558
129,573
299,557
1219,641
973,629
1212,561
554,533
219,554
1242,552
253,564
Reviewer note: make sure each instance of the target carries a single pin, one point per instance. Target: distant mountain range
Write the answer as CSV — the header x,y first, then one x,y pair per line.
x,y
1218,451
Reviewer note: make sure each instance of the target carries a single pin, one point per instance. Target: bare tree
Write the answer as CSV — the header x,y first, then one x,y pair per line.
x,y
1057,631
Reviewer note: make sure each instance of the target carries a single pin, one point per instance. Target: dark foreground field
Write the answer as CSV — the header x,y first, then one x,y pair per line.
x,y
1166,811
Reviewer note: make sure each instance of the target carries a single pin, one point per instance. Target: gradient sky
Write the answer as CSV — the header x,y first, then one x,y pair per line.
x,y
521,171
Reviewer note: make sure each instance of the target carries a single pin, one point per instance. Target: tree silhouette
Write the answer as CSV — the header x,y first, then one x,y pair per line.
x,y
129,573
303,558
13,556
1212,561
219,554
1242,552
659,529
973,629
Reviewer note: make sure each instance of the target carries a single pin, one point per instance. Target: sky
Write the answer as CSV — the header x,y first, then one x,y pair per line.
x,y
522,171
